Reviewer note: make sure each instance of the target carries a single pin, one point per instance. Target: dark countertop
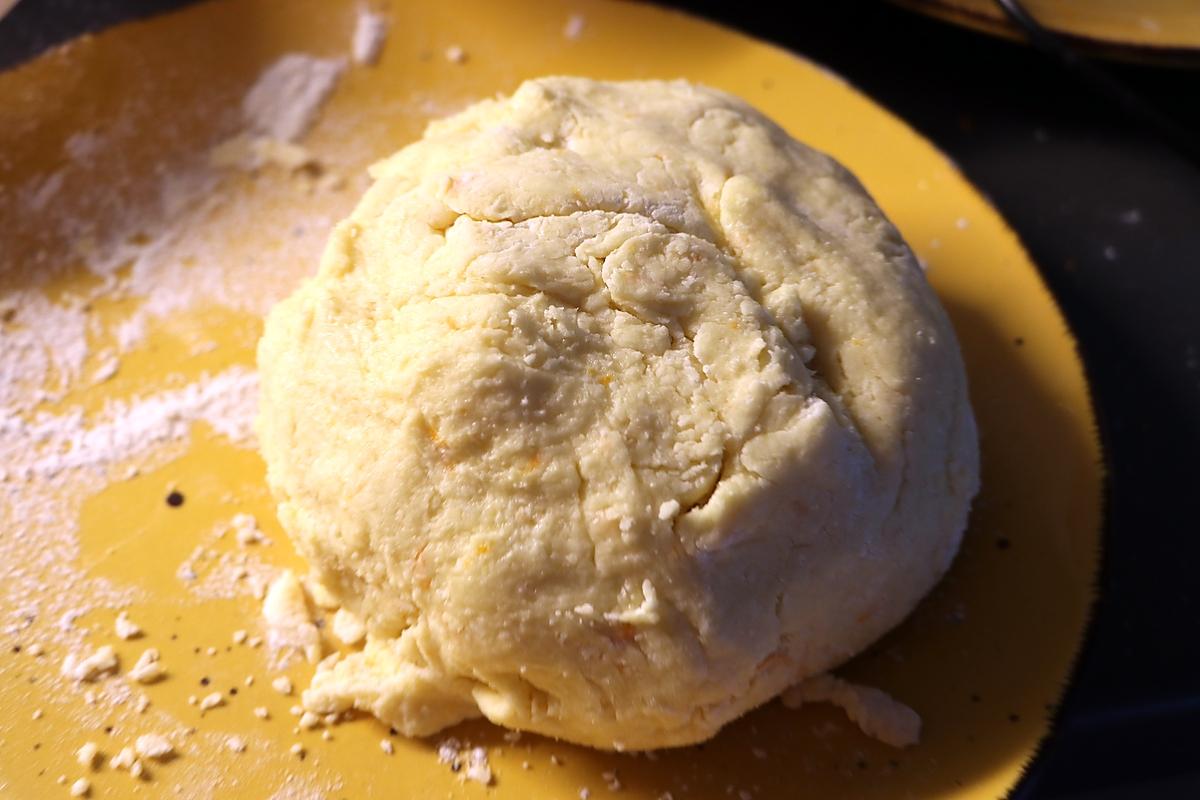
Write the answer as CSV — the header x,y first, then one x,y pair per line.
x,y
1112,218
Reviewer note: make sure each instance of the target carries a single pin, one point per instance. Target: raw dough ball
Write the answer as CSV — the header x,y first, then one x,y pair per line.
x,y
613,411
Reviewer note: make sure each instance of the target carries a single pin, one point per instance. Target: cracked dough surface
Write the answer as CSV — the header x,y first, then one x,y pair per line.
x,y
612,412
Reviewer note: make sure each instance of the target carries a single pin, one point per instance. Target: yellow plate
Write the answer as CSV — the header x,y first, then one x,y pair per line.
x,y
1165,31
106,142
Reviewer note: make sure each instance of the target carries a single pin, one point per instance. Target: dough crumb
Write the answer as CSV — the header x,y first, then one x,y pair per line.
x,y
147,669
455,54
289,624
151,745
211,701
236,744
99,664
262,712
386,746
875,712
668,510
282,684
81,788
123,759
126,628
86,755
370,34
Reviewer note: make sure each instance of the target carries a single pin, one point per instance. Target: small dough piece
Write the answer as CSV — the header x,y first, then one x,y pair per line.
x,y
874,711
612,412
289,624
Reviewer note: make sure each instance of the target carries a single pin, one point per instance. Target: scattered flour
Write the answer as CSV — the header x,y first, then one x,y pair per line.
x,y
574,27
370,34
283,104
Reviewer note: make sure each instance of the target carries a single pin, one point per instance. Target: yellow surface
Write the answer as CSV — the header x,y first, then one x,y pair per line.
x,y
1155,27
983,659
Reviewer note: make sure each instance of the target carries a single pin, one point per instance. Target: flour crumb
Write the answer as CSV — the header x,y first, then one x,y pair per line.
x,y
874,711
99,664
386,746
86,755
211,701
236,744
151,745
123,759
126,628
289,624
262,712
147,669
81,788
447,751
478,768
107,370
239,637
611,780
282,684
574,27
285,100
246,530
455,54
370,34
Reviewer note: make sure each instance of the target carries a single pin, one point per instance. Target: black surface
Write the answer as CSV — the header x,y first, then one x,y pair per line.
x,y
1070,174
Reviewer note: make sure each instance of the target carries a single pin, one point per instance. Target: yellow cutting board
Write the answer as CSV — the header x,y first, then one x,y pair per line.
x,y
119,237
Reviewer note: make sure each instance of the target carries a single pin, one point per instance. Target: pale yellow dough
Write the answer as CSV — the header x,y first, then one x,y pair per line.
x,y
612,412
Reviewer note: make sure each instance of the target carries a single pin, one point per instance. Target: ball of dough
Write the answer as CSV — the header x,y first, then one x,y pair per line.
x,y
612,411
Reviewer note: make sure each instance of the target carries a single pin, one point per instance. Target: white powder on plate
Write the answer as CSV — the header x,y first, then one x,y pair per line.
x,y
284,102
370,33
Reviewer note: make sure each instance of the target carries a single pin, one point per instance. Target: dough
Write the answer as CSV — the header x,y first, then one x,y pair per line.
x,y
612,412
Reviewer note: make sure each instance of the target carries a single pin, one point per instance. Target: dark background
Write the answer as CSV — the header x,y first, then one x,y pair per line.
x,y
1111,215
